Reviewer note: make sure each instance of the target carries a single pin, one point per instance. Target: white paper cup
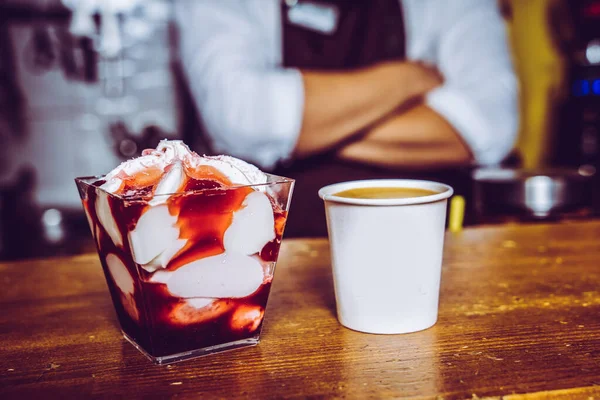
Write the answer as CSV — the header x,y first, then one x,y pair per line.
x,y
386,256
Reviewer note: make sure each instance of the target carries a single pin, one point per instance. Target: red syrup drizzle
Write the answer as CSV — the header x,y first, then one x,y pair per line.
x,y
169,325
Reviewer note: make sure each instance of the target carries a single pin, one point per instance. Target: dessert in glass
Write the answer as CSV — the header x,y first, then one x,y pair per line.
x,y
188,245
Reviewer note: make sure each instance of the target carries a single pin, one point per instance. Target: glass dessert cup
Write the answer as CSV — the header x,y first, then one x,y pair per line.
x,y
189,273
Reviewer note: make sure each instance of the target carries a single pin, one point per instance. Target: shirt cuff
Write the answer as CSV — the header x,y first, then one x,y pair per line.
x,y
285,94
465,117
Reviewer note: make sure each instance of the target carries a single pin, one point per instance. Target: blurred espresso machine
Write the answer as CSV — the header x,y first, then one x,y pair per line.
x,y
84,85
556,48
578,137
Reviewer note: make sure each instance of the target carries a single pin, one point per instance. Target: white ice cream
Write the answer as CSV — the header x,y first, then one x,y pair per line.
x,y
107,220
169,156
155,239
227,275
154,233
120,274
170,152
239,172
252,227
171,182
125,283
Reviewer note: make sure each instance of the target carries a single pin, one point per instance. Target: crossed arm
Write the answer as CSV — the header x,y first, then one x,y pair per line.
x,y
338,105
415,138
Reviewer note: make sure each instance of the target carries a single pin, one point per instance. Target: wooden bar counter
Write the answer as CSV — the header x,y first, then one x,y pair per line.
x,y
519,318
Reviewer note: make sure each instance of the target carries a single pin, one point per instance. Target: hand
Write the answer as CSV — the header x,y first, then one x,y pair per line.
x,y
422,77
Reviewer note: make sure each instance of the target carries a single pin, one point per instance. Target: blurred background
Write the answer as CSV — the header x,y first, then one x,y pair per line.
x,y
76,102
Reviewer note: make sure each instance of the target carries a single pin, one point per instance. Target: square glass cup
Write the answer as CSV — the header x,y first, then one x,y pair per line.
x,y
189,273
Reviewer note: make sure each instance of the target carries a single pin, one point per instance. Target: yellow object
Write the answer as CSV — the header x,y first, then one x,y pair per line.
x,y
541,69
457,214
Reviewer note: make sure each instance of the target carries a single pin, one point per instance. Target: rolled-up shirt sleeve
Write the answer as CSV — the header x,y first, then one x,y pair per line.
x,y
479,96
250,106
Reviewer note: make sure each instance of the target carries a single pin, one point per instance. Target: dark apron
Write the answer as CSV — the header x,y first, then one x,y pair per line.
x,y
368,31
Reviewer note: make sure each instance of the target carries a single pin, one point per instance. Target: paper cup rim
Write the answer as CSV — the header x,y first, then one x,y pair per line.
x,y
327,193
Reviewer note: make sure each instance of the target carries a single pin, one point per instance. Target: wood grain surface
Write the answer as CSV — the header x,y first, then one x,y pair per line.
x,y
519,318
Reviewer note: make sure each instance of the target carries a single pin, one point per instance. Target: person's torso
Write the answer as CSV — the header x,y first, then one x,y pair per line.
x,y
338,35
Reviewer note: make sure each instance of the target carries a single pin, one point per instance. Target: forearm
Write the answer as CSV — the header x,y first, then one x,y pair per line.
x,y
340,104
417,138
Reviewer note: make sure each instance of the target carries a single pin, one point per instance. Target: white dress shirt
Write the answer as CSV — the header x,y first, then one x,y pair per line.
x,y
252,107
